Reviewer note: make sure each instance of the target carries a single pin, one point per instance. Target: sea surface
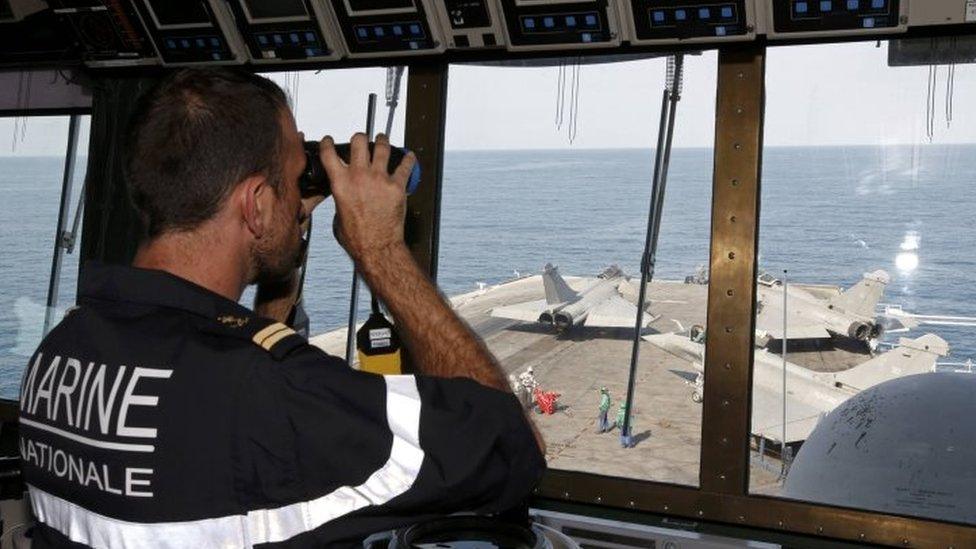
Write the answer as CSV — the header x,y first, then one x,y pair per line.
x,y
829,214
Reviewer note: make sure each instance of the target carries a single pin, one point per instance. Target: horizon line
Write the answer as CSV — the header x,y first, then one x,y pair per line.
x,y
554,149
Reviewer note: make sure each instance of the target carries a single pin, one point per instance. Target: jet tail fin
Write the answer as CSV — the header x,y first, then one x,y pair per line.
x,y
557,291
911,356
863,297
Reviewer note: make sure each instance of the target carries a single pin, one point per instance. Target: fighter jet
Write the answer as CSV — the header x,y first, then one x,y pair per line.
x,y
599,304
816,312
810,395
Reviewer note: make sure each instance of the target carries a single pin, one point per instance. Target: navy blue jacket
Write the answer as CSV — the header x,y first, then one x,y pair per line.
x,y
160,414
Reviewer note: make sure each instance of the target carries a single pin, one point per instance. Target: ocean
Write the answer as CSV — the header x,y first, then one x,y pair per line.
x,y
829,215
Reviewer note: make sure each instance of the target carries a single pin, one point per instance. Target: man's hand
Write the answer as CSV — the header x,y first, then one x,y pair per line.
x,y
370,210
370,203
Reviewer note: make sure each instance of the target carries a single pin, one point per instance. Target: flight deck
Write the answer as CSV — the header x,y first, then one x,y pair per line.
x,y
577,362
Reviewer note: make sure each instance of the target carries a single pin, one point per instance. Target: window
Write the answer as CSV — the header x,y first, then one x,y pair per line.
x,y
32,156
867,237
334,102
554,166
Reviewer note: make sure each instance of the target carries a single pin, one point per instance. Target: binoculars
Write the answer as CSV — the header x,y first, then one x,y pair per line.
x,y
315,182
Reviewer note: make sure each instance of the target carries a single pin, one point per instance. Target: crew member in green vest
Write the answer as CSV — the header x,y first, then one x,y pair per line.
x,y
603,422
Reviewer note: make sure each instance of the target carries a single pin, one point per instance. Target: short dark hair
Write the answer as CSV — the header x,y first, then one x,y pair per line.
x,y
193,137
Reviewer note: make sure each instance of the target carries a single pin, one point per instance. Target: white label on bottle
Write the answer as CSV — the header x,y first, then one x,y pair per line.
x,y
379,343
380,333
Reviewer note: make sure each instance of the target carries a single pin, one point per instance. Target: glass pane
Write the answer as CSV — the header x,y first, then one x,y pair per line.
x,y
867,237
527,185
32,154
334,102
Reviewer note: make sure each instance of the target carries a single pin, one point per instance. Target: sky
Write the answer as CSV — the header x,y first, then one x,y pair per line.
x,y
837,94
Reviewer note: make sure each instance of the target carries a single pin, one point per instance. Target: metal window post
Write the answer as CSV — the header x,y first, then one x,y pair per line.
x,y
63,239
732,278
426,116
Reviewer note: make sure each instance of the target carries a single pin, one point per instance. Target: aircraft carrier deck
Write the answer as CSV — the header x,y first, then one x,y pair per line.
x,y
576,363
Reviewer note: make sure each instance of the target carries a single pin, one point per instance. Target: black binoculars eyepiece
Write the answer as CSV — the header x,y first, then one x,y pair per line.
x,y
315,182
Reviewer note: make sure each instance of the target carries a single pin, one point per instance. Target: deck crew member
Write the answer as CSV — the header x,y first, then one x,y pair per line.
x,y
161,413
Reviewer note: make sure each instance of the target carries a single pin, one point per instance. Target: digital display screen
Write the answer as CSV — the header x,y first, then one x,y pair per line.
x,y
274,9
179,12
378,5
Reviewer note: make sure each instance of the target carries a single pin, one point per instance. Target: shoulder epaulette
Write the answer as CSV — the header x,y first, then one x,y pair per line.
x,y
278,339
274,337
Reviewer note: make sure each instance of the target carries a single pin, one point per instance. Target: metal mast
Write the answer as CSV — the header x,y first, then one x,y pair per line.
x,y
662,158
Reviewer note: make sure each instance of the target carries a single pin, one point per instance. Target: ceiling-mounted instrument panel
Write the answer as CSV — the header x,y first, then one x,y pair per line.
x,y
110,32
812,18
189,32
470,23
378,28
555,24
657,22
287,30
266,32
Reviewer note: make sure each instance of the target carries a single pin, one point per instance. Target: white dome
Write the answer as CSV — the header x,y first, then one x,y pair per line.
x,y
906,446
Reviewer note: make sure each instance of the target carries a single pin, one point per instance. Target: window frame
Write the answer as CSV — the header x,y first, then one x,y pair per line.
x,y
722,497
723,494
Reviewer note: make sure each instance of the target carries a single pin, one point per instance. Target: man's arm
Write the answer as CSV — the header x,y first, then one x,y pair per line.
x,y
371,206
440,343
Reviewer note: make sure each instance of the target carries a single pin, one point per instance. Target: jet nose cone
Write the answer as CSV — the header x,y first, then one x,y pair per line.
x,y
665,341
881,276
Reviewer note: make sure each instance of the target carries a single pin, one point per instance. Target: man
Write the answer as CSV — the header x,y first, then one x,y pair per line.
x,y
603,423
160,413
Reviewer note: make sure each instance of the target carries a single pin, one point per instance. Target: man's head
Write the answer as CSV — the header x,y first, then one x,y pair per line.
x,y
218,149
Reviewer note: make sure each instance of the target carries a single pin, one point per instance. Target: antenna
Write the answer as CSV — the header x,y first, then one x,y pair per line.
x,y
393,77
782,448
354,297
665,136
574,104
560,94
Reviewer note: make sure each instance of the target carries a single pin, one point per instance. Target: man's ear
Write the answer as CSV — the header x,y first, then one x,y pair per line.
x,y
255,198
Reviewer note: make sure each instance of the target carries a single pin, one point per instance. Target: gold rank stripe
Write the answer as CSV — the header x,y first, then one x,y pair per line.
x,y
272,334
